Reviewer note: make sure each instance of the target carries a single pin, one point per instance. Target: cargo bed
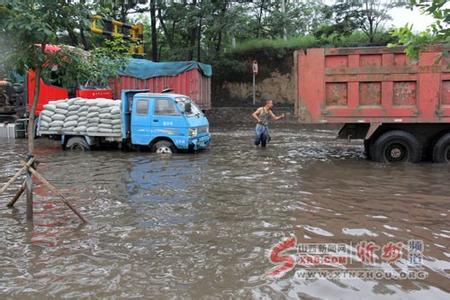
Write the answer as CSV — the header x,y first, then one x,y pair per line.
x,y
399,106
99,134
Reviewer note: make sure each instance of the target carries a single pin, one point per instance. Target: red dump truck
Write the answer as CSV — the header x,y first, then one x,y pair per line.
x,y
400,107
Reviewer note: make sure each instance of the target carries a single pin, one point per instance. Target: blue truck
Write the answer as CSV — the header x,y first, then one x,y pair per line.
x,y
164,122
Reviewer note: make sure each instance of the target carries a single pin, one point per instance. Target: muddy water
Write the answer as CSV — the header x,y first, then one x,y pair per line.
x,y
201,225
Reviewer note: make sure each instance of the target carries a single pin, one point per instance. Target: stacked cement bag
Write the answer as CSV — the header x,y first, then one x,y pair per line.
x,y
83,116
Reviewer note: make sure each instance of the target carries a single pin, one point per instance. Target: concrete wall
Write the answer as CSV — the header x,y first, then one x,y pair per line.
x,y
278,87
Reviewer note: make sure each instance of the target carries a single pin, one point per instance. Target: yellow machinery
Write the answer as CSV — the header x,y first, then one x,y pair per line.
x,y
113,28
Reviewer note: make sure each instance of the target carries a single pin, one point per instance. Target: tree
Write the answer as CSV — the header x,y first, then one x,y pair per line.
x,y
438,32
29,27
154,30
368,16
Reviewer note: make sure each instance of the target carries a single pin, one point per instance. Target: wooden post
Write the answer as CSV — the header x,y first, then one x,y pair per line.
x,y
17,195
37,87
6,185
29,188
56,191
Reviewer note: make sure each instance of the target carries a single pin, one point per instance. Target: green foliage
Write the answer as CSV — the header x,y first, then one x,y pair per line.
x,y
367,16
413,42
74,67
106,62
234,66
355,39
29,25
438,32
307,41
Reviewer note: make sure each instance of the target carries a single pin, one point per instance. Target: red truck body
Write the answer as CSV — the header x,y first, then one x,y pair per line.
x,y
49,93
366,85
375,90
191,83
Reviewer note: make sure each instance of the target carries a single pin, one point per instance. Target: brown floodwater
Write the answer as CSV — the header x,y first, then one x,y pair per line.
x,y
202,225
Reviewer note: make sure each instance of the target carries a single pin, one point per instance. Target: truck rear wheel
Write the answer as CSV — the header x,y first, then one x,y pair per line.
x,y
396,146
441,150
77,144
164,147
368,148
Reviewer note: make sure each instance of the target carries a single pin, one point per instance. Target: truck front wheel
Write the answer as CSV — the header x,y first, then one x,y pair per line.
x,y
441,151
77,144
164,147
396,146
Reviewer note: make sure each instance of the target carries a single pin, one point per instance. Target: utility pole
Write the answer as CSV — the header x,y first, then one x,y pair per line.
x,y
255,70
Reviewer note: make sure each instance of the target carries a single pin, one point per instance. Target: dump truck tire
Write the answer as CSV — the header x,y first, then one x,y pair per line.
x,y
441,150
396,146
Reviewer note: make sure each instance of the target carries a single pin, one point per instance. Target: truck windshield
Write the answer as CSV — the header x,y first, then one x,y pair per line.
x,y
182,101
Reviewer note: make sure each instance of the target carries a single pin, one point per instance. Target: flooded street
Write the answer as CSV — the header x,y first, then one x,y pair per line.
x,y
202,225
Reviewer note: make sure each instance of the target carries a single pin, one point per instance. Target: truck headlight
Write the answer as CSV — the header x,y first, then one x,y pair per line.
x,y
193,132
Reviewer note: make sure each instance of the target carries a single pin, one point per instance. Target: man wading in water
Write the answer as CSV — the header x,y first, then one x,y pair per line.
x,y
262,115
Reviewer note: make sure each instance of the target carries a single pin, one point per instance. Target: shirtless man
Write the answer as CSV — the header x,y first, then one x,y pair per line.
x,y
262,116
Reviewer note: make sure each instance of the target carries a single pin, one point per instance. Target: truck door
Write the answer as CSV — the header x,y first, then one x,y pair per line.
x,y
167,120
140,122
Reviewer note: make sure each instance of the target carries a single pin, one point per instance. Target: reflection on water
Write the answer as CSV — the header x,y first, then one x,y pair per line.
x,y
201,225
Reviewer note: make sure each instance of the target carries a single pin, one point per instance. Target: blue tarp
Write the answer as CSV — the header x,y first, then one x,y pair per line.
x,y
145,69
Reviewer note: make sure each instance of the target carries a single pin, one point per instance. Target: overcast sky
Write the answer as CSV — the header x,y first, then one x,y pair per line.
x,y
403,16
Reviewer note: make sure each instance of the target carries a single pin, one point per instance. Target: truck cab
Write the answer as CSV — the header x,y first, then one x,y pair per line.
x,y
165,122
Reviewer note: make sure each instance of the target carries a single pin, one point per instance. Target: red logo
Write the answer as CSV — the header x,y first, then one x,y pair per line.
x,y
366,251
392,252
285,262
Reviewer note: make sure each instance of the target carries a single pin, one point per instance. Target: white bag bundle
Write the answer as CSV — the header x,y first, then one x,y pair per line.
x,y
105,116
92,102
92,115
84,107
105,110
62,105
93,120
44,124
71,118
102,125
80,129
61,111
70,124
82,116
106,121
45,118
115,111
56,124
50,107
80,102
47,113
73,107
105,130
93,109
58,117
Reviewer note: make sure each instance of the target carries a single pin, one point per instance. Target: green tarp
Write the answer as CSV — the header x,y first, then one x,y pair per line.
x,y
145,69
